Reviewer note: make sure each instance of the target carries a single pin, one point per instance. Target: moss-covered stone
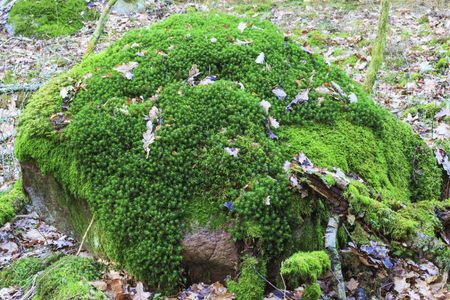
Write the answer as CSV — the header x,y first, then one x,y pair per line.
x,y
48,18
11,202
210,144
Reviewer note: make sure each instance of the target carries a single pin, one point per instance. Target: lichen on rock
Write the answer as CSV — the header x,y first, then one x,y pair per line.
x,y
216,149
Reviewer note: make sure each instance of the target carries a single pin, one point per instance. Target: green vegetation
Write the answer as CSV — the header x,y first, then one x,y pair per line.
x,y
55,277
250,285
396,220
11,202
211,145
306,267
68,278
21,272
48,18
312,292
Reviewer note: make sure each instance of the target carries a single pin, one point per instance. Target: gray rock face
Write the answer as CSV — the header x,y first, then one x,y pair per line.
x,y
208,255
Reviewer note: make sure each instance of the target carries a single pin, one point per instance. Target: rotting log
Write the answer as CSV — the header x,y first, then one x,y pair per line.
x,y
305,175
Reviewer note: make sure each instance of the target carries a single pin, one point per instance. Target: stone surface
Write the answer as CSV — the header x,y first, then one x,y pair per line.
x,y
208,255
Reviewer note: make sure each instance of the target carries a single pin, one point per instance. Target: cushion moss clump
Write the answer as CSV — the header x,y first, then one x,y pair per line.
x,y
48,18
306,268
68,278
11,202
207,145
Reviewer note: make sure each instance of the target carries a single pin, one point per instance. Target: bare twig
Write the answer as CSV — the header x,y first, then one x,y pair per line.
x,y
99,29
85,234
32,290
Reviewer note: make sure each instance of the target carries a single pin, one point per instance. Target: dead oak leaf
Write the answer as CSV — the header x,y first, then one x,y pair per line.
x,y
352,285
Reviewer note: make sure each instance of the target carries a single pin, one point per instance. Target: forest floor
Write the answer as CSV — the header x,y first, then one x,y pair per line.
x,y
414,81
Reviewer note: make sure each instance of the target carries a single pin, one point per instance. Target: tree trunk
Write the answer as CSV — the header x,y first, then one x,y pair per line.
x,y
378,46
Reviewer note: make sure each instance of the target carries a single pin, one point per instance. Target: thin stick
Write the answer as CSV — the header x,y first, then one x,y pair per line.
x,y
330,245
284,283
99,29
85,235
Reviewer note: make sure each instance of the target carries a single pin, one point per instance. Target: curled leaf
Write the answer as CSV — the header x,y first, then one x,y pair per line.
x,y
260,58
232,151
279,93
126,69
265,105
300,98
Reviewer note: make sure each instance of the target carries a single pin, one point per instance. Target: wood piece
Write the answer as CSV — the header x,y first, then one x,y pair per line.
x,y
330,245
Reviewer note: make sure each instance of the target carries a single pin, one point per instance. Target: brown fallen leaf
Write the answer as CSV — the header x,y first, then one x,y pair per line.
x,y
352,285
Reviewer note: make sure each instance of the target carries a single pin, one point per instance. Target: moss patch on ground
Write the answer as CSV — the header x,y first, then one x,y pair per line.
x,y
21,272
208,144
48,18
68,278
11,202
55,277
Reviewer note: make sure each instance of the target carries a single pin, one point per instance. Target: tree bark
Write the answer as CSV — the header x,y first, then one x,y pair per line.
x,y
99,28
330,245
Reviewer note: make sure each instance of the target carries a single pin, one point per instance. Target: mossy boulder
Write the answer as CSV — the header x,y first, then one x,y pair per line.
x,y
48,18
170,128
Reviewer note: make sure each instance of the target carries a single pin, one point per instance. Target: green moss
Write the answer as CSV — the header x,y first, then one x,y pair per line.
x,y
21,272
48,18
359,235
250,285
143,202
11,202
378,215
69,278
305,267
329,180
312,292
424,213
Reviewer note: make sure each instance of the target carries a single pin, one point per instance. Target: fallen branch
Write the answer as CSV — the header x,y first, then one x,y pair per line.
x,y
85,235
330,245
23,87
304,175
99,28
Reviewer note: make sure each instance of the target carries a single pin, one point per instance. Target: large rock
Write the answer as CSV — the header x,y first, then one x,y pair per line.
x,y
208,255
